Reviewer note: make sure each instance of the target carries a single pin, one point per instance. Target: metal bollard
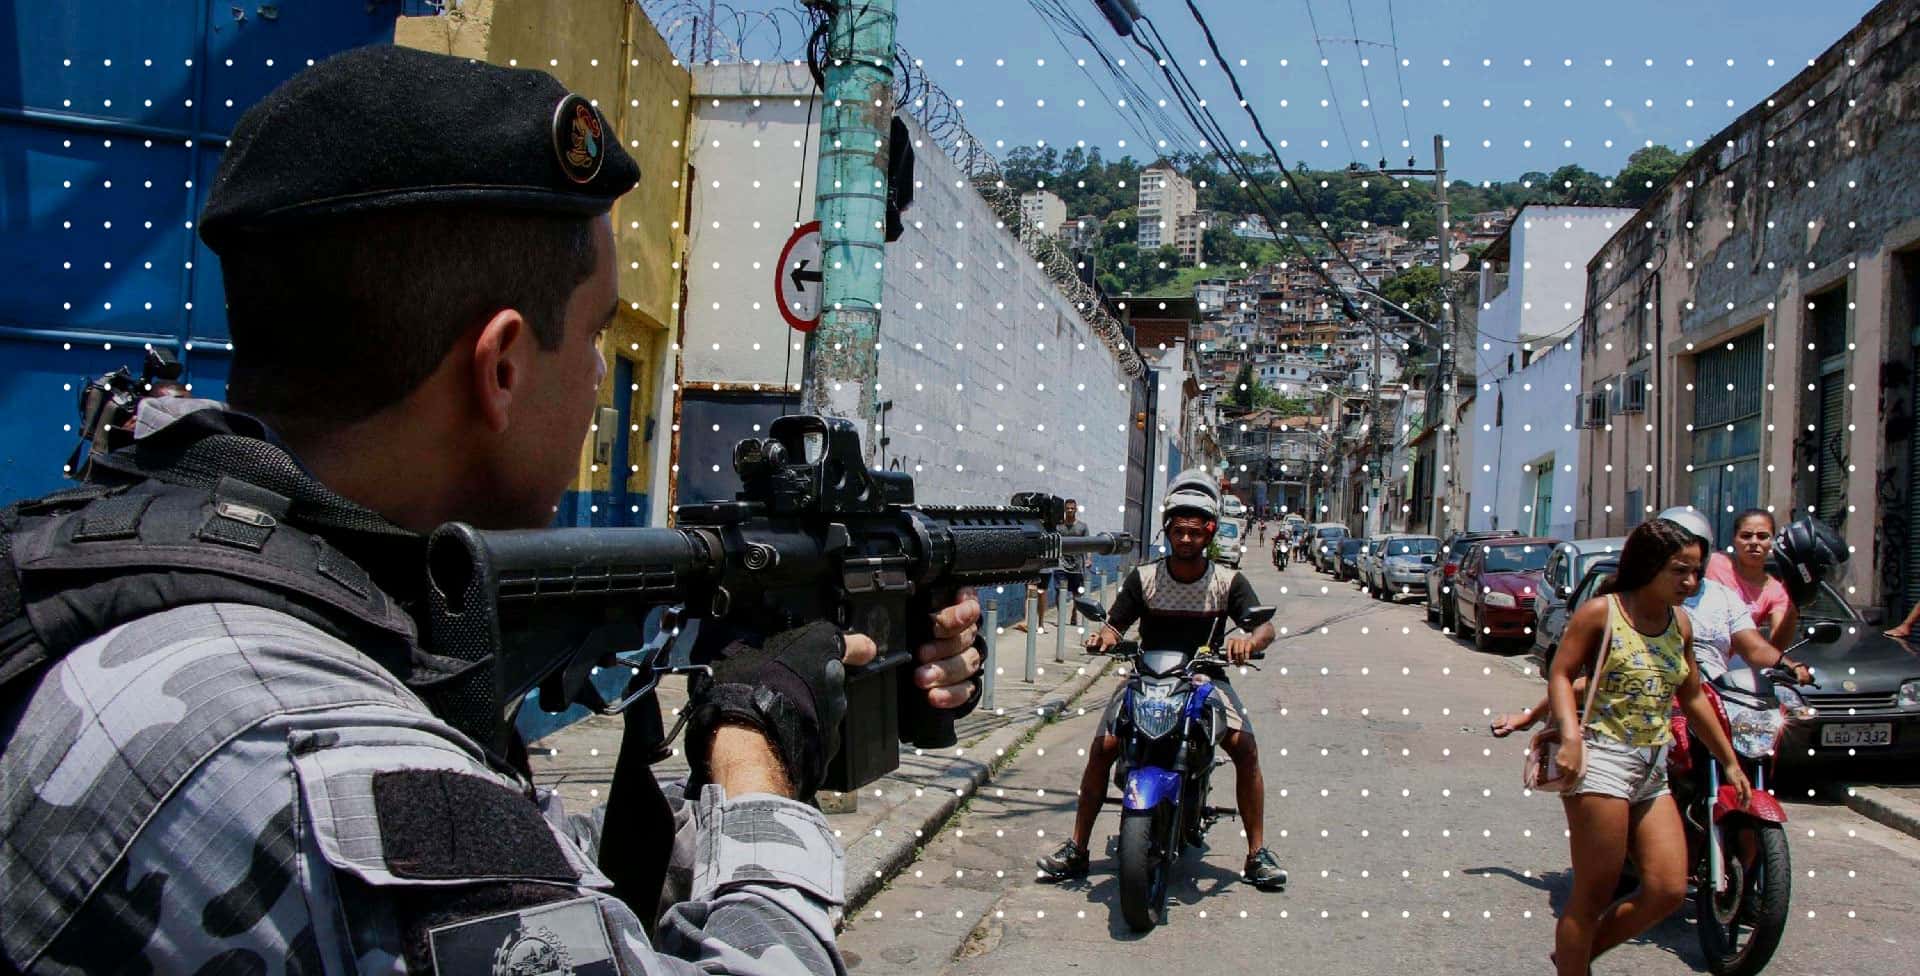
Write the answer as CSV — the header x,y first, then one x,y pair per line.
x,y
990,619
1031,614
1061,596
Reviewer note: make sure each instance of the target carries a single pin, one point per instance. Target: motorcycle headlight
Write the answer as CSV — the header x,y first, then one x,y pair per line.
x,y
1790,699
1495,598
1155,717
1910,695
1755,731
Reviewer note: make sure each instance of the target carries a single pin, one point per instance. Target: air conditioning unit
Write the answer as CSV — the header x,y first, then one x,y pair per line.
x,y
1593,411
1634,397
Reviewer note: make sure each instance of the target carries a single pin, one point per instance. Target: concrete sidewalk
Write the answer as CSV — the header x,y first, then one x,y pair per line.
x,y
1896,806
894,815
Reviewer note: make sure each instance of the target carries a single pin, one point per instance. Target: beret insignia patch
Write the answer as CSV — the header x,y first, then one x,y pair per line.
x,y
579,138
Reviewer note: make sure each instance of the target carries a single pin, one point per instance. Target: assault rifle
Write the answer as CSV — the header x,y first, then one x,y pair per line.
x,y
813,534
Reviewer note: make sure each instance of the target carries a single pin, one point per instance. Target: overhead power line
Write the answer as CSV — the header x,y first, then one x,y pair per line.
x,y
1333,94
1399,84
1366,85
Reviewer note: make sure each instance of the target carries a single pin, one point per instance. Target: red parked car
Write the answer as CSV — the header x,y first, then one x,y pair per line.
x,y
1495,589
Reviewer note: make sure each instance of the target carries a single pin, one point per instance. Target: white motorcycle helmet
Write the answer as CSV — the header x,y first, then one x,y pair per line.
x,y
1193,492
1692,520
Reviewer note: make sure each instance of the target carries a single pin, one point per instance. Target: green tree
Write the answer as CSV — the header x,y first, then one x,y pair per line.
x,y
1246,388
1417,290
1576,184
1647,170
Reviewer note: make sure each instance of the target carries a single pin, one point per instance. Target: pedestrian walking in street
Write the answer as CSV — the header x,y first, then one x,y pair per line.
x,y
1071,577
1615,747
1746,573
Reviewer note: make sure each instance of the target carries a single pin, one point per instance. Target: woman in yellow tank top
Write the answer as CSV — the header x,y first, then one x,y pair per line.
x,y
1639,646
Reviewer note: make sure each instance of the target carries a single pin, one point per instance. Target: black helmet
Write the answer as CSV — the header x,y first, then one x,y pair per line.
x,y
1803,554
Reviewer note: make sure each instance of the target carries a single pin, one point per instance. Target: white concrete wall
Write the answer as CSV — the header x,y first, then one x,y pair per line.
x,y
1538,421
1546,290
997,384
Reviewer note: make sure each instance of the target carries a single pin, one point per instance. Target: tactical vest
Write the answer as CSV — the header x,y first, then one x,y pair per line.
x,y
210,511
77,563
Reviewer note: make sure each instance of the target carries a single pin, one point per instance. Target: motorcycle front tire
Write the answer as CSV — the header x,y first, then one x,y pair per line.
x,y
1767,914
1143,870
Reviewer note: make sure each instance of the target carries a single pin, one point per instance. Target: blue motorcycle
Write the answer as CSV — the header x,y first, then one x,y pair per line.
x,y
1169,731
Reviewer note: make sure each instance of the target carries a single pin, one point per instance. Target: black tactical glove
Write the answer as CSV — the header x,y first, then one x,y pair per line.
x,y
793,689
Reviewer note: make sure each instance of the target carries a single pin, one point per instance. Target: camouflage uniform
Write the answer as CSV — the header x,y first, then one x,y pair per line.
x,y
224,787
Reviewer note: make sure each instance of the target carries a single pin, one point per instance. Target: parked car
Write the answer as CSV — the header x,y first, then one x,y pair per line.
x,y
1566,567
1596,573
1440,574
1868,702
1496,588
1346,566
1325,537
1232,507
1369,555
1228,540
1401,566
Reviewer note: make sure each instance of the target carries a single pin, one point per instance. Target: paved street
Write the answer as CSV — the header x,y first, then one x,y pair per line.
x,y
1402,824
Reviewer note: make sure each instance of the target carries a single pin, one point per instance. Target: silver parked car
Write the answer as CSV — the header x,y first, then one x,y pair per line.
x,y
1401,566
1325,538
1566,567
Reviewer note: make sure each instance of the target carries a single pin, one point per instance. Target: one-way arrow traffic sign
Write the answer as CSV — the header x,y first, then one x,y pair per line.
x,y
801,261
801,274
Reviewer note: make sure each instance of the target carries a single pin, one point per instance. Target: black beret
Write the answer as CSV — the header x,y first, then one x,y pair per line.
x,y
391,128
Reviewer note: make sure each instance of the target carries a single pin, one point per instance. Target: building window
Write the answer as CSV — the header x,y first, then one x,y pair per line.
x,y
1728,386
1827,324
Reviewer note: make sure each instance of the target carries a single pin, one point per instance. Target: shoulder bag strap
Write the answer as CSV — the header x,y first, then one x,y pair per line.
x,y
1600,658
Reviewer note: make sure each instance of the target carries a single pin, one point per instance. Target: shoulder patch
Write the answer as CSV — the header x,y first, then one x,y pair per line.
x,y
441,824
561,938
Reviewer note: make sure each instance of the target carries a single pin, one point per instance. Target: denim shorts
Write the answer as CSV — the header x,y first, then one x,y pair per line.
x,y
1635,774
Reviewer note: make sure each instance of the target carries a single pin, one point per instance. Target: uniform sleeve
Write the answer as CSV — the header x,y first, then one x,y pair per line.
x,y
415,857
1129,605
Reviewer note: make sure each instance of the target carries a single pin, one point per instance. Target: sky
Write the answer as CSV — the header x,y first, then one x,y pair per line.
x,y
1493,76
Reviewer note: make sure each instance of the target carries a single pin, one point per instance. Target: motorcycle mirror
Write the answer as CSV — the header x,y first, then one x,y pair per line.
x,y
1826,632
1090,608
1256,616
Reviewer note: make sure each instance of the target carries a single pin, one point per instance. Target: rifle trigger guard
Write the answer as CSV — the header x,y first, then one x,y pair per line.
x,y
673,643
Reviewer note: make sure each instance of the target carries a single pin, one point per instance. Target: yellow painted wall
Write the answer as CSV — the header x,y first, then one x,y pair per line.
x,y
609,52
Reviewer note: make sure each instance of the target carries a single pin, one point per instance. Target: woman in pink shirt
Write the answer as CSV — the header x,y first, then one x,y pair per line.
x,y
1746,572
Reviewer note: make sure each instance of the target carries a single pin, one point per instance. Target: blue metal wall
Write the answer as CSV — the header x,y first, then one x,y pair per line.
x,y
112,120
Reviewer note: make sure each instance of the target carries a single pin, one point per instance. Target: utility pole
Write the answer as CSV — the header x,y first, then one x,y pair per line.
x,y
842,356
1374,442
1443,437
1444,369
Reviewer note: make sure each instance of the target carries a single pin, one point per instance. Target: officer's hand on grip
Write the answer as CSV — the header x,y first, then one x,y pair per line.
x,y
947,666
792,689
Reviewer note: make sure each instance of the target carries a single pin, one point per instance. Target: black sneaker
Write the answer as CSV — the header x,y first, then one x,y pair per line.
x,y
1263,871
1069,860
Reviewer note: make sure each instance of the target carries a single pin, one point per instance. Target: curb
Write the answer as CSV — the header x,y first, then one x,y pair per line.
x,y
1884,807
873,861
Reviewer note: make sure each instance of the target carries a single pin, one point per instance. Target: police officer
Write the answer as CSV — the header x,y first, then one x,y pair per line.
x,y
213,752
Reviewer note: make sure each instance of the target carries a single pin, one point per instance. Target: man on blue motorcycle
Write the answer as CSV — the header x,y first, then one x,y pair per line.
x,y
1179,601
